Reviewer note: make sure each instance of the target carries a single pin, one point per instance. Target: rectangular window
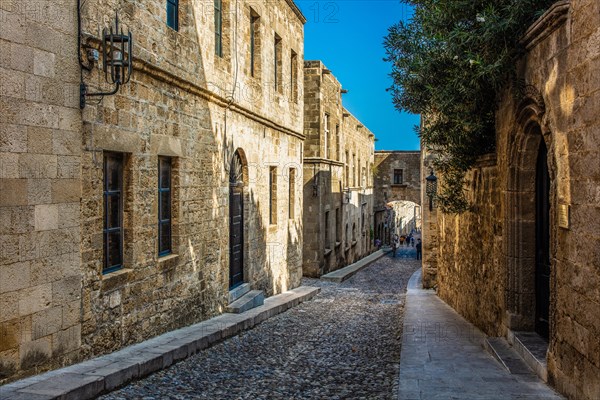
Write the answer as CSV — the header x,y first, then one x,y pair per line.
x,y
219,28
362,218
347,169
278,64
337,142
358,174
364,177
326,137
173,14
294,77
353,170
254,42
292,193
327,245
273,195
338,226
164,206
398,176
113,212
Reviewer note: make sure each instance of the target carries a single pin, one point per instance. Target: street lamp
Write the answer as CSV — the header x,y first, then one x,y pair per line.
x,y
431,189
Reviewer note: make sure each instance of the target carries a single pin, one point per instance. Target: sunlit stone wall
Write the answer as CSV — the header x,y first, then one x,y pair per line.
x,y
486,260
184,102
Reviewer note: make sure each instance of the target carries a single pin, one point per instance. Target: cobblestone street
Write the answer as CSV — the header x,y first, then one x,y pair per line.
x,y
344,344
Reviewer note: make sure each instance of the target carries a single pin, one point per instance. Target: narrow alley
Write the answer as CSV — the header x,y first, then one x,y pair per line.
x,y
343,344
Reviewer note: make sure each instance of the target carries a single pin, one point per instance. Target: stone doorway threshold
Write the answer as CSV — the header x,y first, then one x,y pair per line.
x,y
533,349
520,353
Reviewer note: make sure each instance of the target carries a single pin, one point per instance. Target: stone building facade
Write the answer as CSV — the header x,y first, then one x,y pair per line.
x,y
137,214
338,164
397,207
526,257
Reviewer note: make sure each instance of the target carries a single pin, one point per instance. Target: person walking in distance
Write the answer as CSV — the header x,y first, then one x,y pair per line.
x,y
419,247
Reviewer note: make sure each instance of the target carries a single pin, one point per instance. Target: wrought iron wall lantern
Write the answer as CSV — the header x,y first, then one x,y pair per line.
x,y
117,63
431,189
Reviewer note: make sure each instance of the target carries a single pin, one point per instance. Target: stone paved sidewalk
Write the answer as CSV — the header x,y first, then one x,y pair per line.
x,y
345,344
443,357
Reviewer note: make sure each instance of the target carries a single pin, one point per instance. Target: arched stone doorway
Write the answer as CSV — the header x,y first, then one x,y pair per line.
x,y
528,202
542,243
237,173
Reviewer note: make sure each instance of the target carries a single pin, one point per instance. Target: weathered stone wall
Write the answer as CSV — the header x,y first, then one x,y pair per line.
x,y
323,171
470,274
358,221
391,199
335,232
40,187
563,65
410,188
200,115
179,103
492,281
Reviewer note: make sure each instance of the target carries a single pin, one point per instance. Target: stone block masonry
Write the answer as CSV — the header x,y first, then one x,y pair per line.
x,y
40,180
490,262
397,177
397,208
184,102
338,181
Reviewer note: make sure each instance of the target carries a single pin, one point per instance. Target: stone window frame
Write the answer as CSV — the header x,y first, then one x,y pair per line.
x,y
278,63
359,174
338,227
255,44
326,135
293,77
348,241
218,26
292,194
223,61
347,169
273,195
327,231
353,170
119,192
167,249
362,218
395,175
337,142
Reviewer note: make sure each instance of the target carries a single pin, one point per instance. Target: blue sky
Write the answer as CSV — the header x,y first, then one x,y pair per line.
x,y
347,35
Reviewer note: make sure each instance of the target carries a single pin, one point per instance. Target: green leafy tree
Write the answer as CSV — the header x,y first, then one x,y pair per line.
x,y
449,63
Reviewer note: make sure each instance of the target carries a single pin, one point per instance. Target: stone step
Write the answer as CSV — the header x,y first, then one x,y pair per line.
x,y
508,357
250,300
238,292
532,348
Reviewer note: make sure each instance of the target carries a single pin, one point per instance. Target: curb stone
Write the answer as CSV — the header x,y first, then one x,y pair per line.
x,y
99,375
342,274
